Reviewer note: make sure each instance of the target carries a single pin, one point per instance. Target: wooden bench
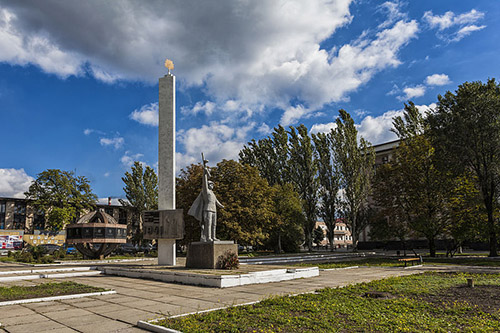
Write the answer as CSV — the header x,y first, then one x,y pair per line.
x,y
407,260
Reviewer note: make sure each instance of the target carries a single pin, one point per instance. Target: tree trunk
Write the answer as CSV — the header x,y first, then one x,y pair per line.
x,y
279,242
432,246
331,238
493,235
488,202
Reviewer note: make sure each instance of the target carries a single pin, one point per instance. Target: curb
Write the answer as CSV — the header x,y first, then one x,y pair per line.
x,y
337,269
56,298
49,276
78,269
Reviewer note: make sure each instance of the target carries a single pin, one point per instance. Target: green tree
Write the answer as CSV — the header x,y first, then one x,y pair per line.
x,y
319,235
303,174
61,195
141,191
425,189
465,128
286,233
391,219
329,180
187,188
466,213
246,196
247,200
356,164
269,156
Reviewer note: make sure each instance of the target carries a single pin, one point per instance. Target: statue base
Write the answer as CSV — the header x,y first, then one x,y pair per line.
x,y
206,254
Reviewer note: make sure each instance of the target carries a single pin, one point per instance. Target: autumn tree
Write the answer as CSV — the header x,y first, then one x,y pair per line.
x,y
188,186
141,191
247,200
465,129
62,196
356,163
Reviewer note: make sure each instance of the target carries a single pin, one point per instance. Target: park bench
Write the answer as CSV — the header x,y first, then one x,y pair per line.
x,y
407,260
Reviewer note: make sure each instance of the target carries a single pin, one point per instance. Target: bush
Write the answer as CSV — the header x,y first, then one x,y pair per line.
x,y
37,252
228,260
26,257
59,254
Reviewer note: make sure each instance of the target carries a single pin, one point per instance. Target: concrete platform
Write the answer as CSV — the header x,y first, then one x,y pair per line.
x,y
213,278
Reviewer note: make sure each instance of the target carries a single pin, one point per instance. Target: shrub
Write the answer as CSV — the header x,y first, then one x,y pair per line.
x,y
23,257
228,260
37,252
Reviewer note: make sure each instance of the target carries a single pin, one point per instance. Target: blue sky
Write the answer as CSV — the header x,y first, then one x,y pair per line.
x,y
78,79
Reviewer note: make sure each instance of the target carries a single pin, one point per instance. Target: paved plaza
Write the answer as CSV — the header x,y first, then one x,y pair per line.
x,y
138,299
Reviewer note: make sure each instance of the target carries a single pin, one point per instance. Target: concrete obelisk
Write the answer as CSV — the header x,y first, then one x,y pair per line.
x,y
166,159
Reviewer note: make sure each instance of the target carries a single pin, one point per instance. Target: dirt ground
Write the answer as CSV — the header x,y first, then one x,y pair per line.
x,y
485,297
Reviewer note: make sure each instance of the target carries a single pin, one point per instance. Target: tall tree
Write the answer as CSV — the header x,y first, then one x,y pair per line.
x,y
425,189
356,163
61,195
286,228
303,174
465,127
391,220
269,156
329,180
141,191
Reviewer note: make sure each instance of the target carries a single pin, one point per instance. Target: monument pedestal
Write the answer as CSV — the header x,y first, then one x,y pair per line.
x,y
206,254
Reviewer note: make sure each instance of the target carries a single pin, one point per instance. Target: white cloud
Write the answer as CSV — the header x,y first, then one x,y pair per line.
x,y
322,128
217,141
128,159
394,13
116,142
14,182
107,174
22,49
146,114
264,129
411,92
443,23
253,54
104,201
466,31
377,130
200,107
87,131
437,80
293,114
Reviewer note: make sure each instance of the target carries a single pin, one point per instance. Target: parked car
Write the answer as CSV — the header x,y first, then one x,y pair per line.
x,y
50,248
70,250
126,248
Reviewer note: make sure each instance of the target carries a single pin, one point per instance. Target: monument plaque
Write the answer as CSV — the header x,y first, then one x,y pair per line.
x,y
161,224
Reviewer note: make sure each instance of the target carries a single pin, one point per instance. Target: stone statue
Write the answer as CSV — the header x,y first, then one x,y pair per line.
x,y
204,208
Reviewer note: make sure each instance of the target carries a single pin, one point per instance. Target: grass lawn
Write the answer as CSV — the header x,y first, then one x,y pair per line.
x,y
437,302
393,262
45,290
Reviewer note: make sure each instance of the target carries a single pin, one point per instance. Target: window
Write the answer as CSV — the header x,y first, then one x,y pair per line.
x,y
122,218
19,215
2,214
108,210
39,220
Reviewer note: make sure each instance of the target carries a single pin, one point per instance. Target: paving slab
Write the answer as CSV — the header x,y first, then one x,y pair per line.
x,y
36,327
